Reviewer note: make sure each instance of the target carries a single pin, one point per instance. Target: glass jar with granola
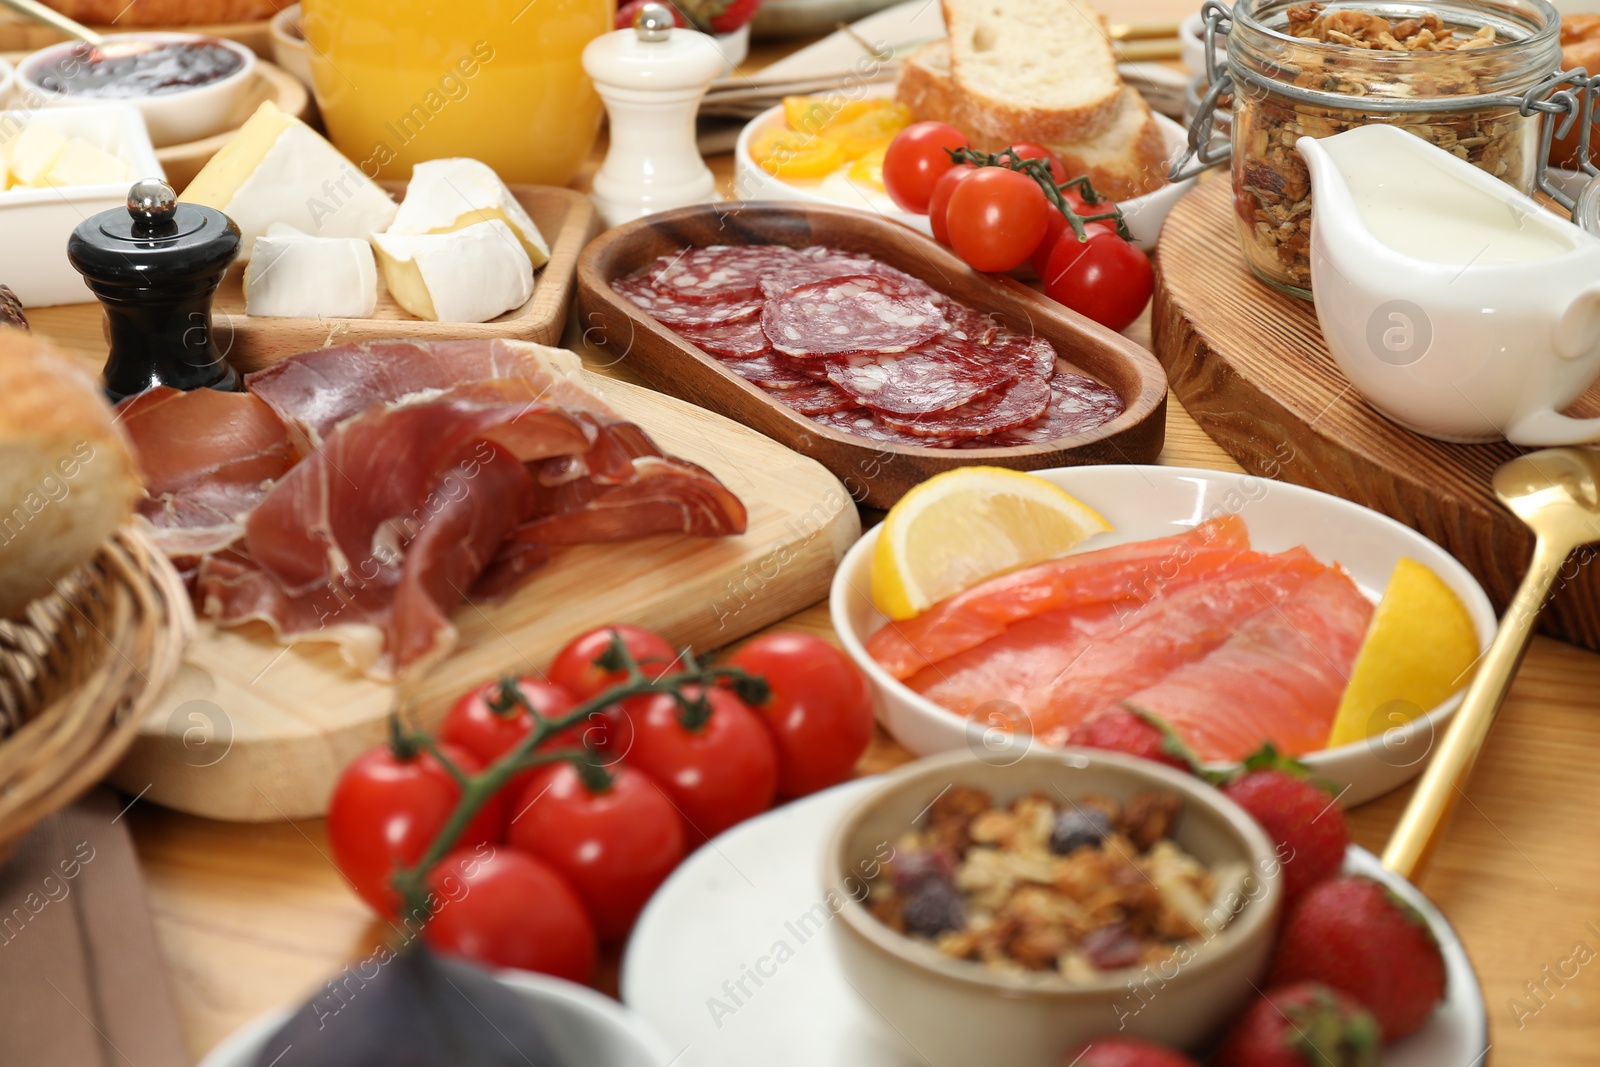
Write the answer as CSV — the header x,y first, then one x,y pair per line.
x,y
1452,73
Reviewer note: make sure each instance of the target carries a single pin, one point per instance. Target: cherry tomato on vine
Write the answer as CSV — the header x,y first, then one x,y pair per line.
x,y
615,846
575,670
386,810
505,908
996,218
1105,278
939,203
1025,150
1057,225
474,724
717,773
915,159
819,710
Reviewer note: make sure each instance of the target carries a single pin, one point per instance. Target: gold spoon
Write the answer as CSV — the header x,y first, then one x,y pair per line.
x,y
1557,493
51,17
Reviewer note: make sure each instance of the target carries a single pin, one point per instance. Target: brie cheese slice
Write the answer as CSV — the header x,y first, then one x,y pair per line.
x,y
451,194
468,275
278,169
295,275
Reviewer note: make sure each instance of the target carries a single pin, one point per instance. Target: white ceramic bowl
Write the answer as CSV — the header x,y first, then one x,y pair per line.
x,y
173,118
584,1027
289,48
1144,214
37,222
1192,45
1143,502
975,1016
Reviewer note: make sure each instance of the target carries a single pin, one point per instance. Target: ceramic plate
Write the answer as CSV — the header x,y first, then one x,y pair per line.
x,y
1143,502
752,896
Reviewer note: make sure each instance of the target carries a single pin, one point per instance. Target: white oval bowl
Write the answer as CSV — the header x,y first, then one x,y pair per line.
x,y
584,1027
1144,502
1144,214
289,48
173,118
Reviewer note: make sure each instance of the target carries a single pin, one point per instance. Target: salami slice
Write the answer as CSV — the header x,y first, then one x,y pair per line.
x,y
824,265
815,398
841,316
769,371
730,340
1033,353
969,325
718,273
1077,405
671,310
937,376
1019,403
864,423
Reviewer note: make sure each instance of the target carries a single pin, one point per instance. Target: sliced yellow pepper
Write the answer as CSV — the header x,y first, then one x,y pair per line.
x,y
787,154
872,130
816,114
868,170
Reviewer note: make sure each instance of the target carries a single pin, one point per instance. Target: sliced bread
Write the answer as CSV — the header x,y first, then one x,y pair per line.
x,y
1037,70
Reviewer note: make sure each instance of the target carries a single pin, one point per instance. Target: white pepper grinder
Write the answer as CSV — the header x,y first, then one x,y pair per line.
x,y
651,79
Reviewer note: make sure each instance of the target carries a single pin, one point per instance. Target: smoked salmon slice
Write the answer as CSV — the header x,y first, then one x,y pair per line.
x,y
1134,573
1278,679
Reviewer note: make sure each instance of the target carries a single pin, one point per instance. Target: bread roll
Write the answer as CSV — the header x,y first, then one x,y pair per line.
x,y
67,474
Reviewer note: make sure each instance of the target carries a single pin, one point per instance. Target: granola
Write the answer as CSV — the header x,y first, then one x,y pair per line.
x,y
1077,888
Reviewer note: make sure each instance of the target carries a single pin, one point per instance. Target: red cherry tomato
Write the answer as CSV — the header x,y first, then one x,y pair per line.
x,y
939,203
1025,150
915,159
1054,229
504,908
820,710
1104,278
996,218
615,847
385,812
717,775
574,668
476,726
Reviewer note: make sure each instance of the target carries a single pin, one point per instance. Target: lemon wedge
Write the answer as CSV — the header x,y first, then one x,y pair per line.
x,y
1419,649
965,525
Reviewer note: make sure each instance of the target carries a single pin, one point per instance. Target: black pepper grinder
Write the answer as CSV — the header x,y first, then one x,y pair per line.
x,y
155,266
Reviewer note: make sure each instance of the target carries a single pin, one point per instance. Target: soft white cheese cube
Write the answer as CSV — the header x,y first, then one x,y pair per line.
x,y
81,163
451,194
34,151
294,275
468,275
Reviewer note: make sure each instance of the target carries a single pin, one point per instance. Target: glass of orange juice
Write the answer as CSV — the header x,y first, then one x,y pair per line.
x,y
403,81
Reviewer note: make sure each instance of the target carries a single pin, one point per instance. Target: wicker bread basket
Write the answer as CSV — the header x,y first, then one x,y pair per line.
x,y
78,671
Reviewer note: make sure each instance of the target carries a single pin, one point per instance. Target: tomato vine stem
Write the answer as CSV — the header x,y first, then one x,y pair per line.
x,y
1039,171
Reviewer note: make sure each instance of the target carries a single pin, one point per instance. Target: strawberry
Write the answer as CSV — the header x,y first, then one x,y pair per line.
x,y
1133,733
1303,820
626,12
1356,936
1302,1025
1124,1052
720,16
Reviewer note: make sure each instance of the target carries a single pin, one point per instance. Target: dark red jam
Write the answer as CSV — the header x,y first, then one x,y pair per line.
x,y
124,70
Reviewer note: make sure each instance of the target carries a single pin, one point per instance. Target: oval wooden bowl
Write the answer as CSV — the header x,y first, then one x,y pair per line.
x,y
78,671
876,473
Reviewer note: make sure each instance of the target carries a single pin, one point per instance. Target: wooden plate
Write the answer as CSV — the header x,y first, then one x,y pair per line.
x,y
567,220
19,35
876,473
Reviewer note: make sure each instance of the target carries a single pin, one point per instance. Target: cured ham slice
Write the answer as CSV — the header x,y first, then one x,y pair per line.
x,y
207,459
665,495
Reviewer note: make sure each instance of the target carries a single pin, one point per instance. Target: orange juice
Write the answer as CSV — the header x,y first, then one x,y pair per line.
x,y
403,81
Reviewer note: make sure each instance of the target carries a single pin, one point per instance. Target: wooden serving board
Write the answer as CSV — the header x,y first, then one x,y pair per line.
x,y
256,731
565,217
21,34
1248,362
877,473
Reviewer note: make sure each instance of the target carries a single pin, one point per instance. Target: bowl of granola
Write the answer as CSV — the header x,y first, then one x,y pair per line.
x,y
1007,909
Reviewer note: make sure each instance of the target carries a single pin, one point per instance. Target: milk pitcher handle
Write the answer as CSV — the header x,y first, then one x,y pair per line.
x,y
1576,336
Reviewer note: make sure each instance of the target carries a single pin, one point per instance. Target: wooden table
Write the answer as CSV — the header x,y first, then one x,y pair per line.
x,y
252,917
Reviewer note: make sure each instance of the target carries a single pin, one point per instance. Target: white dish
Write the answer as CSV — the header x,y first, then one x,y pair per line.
x,y
173,118
1143,502
584,1027
37,222
1144,214
722,915
289,48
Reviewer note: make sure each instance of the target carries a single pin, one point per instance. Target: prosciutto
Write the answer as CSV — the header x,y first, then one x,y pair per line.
x,y
358,494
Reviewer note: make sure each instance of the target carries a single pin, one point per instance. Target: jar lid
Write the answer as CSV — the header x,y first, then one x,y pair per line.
x,y
152,233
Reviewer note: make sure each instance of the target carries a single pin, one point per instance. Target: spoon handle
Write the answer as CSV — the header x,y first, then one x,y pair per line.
x,y
1420,827
51,17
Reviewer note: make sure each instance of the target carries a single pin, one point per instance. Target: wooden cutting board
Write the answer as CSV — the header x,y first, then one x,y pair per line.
x,y
1249,363
255,731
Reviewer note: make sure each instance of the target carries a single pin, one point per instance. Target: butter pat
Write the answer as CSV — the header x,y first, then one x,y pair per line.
x,y
295,275
278,169
34,151
468,275
451,194
81,163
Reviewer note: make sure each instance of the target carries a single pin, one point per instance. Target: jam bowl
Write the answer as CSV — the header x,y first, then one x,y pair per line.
x,y
187,86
